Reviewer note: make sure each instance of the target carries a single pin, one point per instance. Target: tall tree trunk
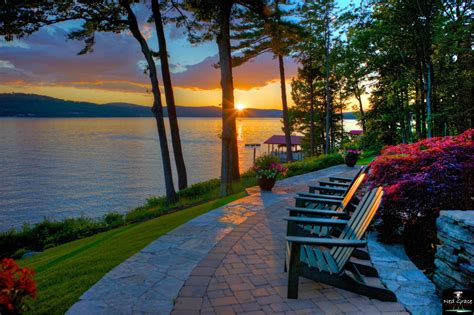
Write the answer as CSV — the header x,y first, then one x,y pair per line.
x,y
401,116
429,76
157,108
321,149
465,60
230,163
328,96
423,120
417,111
342,125
333,134
169,95
422,103
361,107
311,119
286,120
427,11
408,115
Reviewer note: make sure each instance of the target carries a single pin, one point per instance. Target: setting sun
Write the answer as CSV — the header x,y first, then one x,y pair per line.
x,y
240,107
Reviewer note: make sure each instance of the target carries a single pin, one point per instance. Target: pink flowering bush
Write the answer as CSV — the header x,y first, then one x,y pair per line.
x,y
419,180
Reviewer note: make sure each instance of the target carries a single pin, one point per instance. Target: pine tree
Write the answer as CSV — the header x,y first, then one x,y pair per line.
x,y
276,34
215,17
169,95
314,53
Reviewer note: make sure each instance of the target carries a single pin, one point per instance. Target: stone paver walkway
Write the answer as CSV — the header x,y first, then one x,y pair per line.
x,y
243,274
149,281
227,261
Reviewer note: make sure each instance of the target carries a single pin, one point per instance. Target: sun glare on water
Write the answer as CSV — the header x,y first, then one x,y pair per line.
x,y
240,107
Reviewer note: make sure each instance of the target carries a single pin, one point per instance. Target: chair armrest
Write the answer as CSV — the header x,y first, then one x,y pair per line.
x,y
340,179
304,197
316,221
326,188
329,242
336,184
324,196
317,212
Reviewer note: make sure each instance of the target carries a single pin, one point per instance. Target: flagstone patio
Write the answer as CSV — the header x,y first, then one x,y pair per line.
x,y
227,261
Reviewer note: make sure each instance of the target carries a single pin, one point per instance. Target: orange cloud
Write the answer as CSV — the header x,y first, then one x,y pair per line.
x,y
253,74
46,62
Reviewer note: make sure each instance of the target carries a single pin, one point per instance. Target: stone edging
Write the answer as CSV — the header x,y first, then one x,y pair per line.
x,y
412,288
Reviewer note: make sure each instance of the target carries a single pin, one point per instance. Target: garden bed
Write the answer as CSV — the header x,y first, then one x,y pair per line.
x,y
419,180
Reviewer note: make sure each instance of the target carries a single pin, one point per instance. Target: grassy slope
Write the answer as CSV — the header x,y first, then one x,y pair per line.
x,y
366,160
63,273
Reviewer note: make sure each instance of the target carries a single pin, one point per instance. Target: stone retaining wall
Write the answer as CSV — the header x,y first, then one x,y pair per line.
x,y
454,258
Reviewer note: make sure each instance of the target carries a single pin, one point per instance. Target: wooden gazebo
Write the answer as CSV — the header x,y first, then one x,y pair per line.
x,y
276,145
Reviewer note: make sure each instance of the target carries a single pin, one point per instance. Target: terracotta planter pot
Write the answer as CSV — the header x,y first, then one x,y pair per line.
x,y
266,183
350,160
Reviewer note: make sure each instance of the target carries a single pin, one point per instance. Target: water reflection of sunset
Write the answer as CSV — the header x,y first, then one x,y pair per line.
x,y
241,144
95,165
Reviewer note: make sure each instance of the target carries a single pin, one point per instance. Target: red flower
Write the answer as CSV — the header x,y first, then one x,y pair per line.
x,y
17,287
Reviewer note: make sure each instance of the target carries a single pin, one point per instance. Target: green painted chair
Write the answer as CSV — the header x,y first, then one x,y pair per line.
x,y
305,201
328,260
319,207
335,187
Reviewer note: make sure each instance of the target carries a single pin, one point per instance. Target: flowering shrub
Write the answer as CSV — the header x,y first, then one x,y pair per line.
x,y
267,166
421,179
16,287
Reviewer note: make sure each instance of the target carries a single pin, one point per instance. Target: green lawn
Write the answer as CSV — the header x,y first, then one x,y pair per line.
x,y
366,160
64,272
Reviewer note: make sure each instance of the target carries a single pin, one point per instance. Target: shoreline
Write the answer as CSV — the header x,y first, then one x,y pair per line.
x,y
47,234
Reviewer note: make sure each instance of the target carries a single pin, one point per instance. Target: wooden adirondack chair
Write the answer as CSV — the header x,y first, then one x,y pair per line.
x,y
309,200
327,208
324,208
335,187
306,257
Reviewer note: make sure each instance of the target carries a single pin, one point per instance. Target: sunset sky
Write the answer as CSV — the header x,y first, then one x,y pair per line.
x,y
47,63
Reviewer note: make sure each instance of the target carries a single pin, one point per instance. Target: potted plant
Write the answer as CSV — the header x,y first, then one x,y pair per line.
x,y
267,168
351,156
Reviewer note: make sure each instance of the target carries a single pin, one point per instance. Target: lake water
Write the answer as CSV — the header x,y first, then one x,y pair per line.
x,y
59,168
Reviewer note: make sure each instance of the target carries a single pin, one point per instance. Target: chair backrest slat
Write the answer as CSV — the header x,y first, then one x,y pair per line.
x,y
360,171
352,190
362,227
346,233
358,224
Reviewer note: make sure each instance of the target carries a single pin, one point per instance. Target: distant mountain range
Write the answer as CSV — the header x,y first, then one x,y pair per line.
x,y
32,105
